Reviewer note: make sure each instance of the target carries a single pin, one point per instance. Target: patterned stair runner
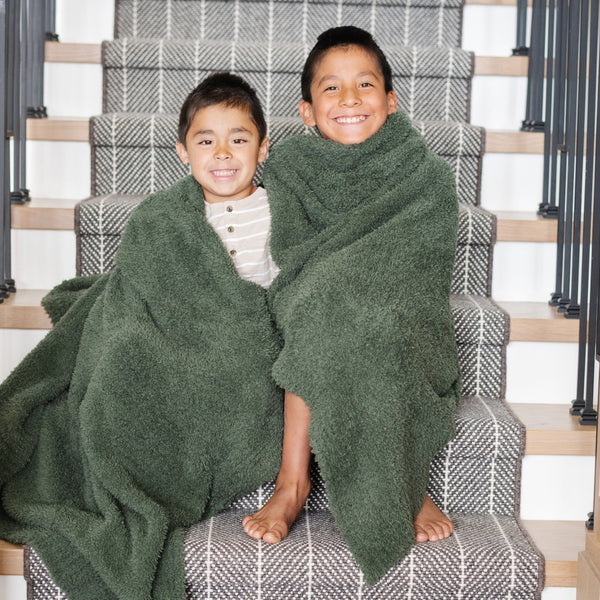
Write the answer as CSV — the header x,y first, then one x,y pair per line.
x,y
170,45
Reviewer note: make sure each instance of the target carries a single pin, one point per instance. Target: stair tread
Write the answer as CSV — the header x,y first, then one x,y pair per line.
x,y
53,213
61,52
524,226
76,129
530,321
539,322
551,430
559,542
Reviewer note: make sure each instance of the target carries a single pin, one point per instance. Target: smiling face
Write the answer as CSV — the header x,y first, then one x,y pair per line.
x,y
223,149
349,101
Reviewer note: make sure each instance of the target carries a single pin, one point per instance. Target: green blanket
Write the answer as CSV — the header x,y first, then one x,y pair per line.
x,y
148,407
365,237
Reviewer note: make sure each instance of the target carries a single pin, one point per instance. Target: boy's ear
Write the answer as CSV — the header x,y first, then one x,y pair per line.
x,y
263,150
392,102
182,152
306,112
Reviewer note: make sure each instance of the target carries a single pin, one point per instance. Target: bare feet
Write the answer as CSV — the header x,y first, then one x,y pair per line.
x,y
273,521
431,523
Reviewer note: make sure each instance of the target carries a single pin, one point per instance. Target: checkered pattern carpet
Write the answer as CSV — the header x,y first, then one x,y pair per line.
x,y
166,46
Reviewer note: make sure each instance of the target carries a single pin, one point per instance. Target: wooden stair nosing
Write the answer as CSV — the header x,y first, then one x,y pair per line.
x,y
73,129
559,541
57,214
552,430
530,321
60,52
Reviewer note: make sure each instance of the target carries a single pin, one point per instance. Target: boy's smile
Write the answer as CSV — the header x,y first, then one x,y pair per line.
x,y
349,101
223,150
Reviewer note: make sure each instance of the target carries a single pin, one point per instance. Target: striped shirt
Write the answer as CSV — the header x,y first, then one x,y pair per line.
x,y
244,227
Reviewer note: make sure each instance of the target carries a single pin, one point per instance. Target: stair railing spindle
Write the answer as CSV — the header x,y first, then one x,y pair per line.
x,y
535,70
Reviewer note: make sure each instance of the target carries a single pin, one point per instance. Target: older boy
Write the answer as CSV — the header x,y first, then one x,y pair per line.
x,y
315,188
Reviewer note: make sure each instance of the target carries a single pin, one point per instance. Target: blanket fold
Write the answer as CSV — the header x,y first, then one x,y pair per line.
x,y
149,406
365,237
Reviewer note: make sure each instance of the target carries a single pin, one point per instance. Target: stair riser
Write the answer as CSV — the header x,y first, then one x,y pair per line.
x,y
541,372
557,487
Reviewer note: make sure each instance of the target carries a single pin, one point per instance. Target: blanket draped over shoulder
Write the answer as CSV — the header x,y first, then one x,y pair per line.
x,y
149,406
365,237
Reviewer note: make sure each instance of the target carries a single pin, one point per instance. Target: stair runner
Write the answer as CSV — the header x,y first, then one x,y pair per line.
x,y
476,478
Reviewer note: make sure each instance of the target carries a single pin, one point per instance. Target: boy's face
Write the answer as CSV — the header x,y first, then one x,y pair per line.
x,y
223,149
349,101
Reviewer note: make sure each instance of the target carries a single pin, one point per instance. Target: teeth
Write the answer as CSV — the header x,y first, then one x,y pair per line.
x,y
356,119
224,173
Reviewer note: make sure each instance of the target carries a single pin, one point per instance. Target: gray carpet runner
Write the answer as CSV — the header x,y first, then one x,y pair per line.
x,y
155,76
169,46
392,22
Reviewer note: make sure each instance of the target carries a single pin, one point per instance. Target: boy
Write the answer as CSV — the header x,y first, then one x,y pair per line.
x,y
347,94
222,136
150,404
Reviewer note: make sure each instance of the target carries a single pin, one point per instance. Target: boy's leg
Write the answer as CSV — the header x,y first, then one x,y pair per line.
x,y
431,524
273,520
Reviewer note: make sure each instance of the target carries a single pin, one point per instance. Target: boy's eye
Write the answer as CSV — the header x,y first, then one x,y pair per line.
x,y
366,84
239,141
205,142
331,88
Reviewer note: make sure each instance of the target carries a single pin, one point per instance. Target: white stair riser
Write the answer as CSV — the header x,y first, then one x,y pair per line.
x,y
507,95
42,259
557,487
541,372
524,271
16,343
84,98
89,21
489,30
58,169
12,587
512,181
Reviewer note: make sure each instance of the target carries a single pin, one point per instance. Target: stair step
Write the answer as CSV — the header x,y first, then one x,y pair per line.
x,y
552,430
559,542
539,322
44,213
74,129
522,226
530,321
58,214
61,52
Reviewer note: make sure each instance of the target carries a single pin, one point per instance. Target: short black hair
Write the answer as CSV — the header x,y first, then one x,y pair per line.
x,y
344,36
221,88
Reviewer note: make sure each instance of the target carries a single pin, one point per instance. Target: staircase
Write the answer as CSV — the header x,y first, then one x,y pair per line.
x,y
558,451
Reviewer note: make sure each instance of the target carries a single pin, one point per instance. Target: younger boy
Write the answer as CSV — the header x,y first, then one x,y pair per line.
x,y
222,136
347,94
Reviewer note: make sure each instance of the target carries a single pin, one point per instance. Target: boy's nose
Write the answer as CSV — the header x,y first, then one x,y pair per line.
x,y
222,153
349,98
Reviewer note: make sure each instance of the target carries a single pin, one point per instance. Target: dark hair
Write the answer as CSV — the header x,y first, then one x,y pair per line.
x,y
221,88
345,36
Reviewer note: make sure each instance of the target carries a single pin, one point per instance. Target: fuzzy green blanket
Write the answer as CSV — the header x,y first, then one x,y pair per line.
x,y
149,406
365,237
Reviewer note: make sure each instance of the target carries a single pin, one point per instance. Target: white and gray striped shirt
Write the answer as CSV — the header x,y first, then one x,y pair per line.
x,y
244,227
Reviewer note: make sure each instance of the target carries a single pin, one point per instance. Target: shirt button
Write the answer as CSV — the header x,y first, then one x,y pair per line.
x,y
232,252
230,229
229,209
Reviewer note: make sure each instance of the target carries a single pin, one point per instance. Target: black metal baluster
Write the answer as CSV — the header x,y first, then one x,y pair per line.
x,y
557,137
585,360
535,70
548,205
4,150
521,48
566,198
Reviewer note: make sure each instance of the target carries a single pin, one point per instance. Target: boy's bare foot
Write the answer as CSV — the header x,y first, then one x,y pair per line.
x,y
431,523
273,521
